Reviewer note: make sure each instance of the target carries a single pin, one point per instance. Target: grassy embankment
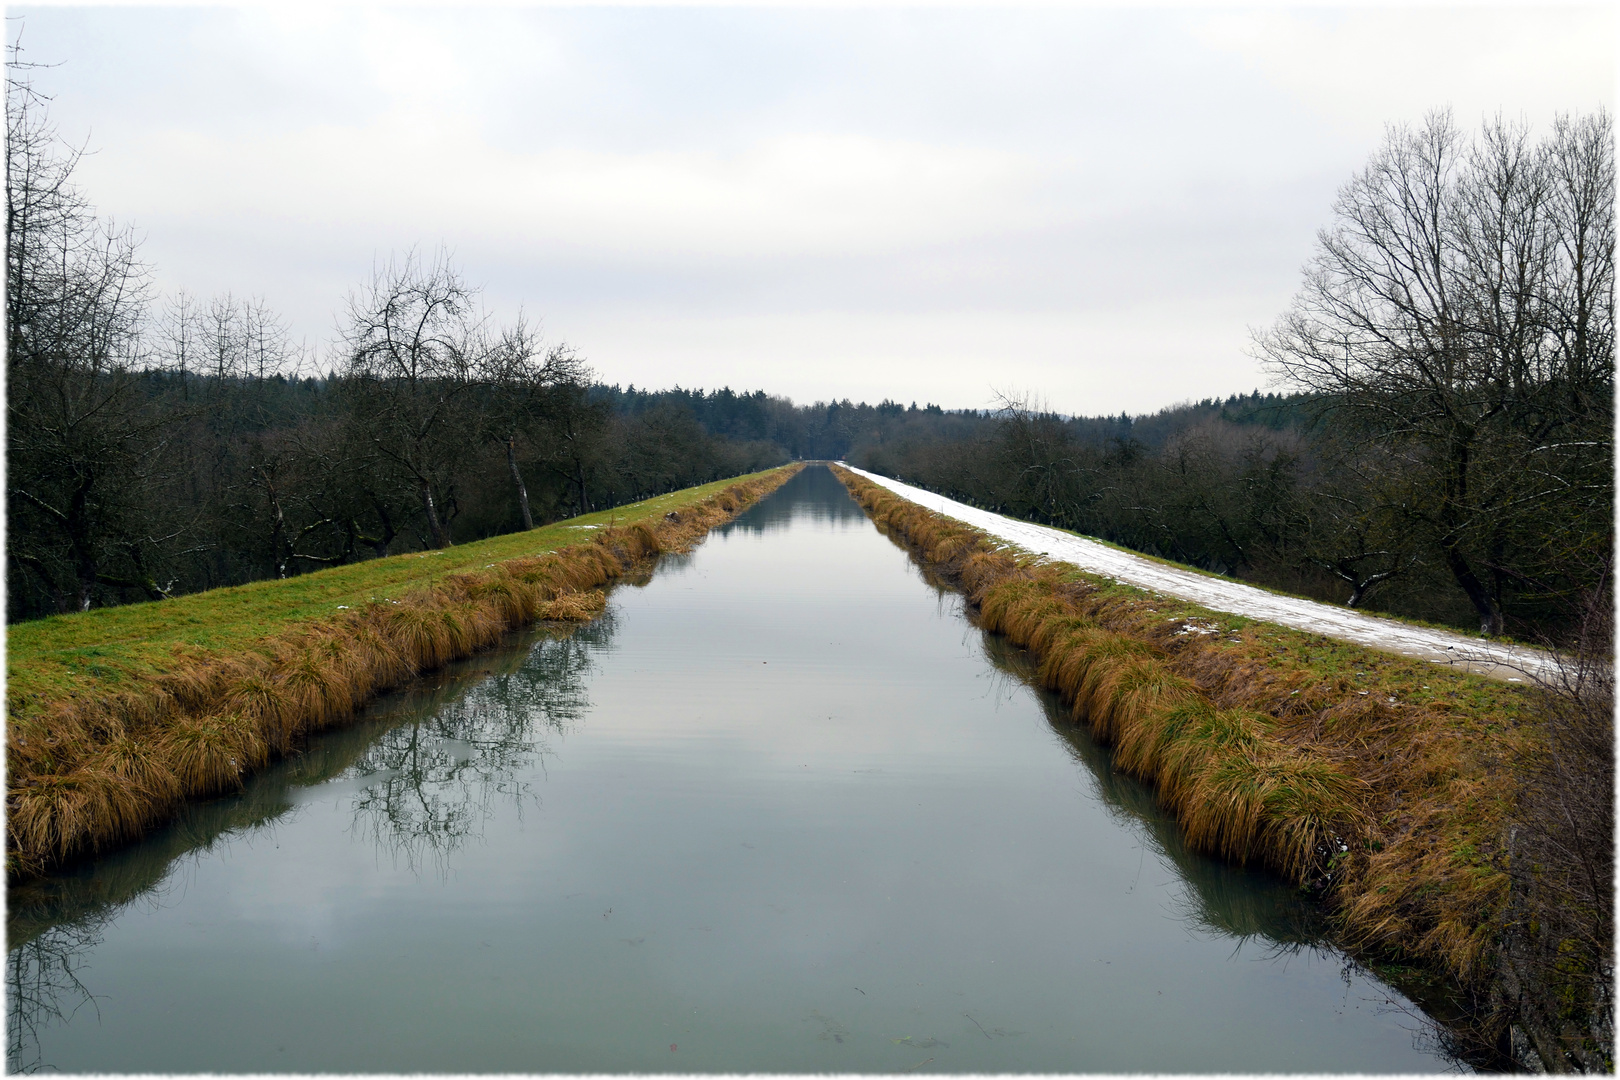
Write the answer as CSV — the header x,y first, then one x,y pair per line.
x,y
1380,782
115,717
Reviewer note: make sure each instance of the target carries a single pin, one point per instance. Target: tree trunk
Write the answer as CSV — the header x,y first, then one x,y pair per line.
x,y
378,544
1453,512
1490,616
278,532
1361,586
435,529
517,478
85,562
144,580
579,480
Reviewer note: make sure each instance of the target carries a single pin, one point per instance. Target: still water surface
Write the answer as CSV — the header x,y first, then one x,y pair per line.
x,y
782,809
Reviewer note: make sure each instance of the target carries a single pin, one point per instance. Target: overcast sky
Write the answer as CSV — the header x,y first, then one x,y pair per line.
x,y
1090,204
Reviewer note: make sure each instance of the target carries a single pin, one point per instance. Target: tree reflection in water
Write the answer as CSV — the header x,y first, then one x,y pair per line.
x,y
435,780
440,754
43,988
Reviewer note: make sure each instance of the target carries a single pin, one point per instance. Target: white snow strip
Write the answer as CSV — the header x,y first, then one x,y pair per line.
x,y
1478,655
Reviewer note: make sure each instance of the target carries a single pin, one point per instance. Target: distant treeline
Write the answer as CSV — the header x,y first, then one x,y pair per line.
x,y
1244,486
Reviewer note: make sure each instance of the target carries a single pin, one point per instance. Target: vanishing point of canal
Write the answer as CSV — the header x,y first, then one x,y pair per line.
x,y
783,808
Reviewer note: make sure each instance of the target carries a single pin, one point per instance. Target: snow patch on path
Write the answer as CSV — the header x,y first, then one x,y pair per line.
x,y
1478,655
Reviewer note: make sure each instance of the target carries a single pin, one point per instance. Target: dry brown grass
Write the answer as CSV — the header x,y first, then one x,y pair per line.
x,y
575,607
1381,783
90,774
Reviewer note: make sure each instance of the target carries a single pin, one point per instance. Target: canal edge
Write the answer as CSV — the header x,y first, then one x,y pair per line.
x,y
105,771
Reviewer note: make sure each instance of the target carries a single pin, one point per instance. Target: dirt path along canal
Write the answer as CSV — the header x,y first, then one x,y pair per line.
x,y
1497,659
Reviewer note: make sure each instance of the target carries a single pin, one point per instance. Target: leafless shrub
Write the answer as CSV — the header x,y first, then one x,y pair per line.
x,y
1557,960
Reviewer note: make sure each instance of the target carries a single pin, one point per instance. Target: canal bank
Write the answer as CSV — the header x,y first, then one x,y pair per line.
x,y
1379,783
117,717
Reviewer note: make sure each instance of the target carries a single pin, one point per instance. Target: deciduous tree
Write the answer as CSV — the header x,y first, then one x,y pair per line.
x,y
1457,317
86,463
416,354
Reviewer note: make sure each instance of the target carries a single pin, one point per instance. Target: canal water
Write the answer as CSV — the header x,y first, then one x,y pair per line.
x,y
783,808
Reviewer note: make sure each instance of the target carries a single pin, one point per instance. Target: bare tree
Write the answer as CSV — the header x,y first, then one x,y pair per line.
x,y
1455,317
532,387
417,352
1578,291
550,405
1357,525
180,339
1556,983
85,444
1049,475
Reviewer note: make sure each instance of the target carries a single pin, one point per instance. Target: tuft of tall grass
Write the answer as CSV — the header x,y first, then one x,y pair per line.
x,y
257,698
313,686
1168,746
211,754
575,607
1133,691
513,600
102,800
646,540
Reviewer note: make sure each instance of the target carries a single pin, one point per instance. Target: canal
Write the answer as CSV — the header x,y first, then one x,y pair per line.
x,y
782,808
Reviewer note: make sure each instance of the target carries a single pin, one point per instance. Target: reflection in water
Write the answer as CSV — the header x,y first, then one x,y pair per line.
x,y
431,782
1221,899
43,987
1247,906
54,923
430,763
814,495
